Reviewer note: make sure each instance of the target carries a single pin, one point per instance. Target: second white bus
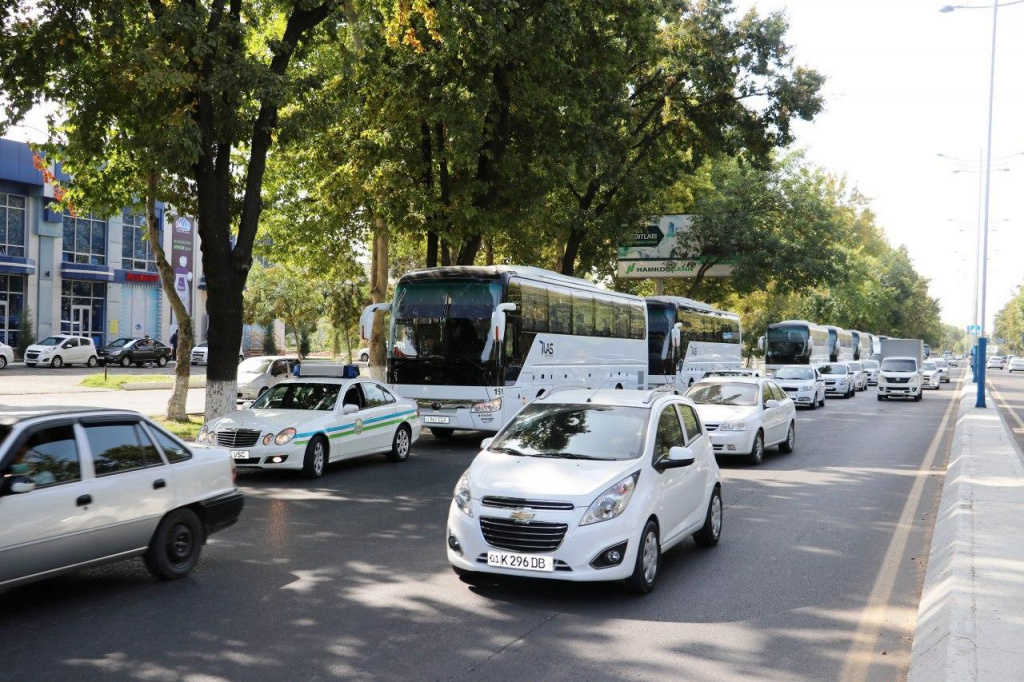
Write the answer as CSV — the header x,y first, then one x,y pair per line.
x,y
708,339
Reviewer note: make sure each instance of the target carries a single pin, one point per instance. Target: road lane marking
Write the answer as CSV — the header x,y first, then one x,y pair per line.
x,y
861,653
999,399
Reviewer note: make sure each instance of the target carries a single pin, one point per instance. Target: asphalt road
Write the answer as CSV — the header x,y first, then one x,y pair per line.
x,y
817,577
1008,391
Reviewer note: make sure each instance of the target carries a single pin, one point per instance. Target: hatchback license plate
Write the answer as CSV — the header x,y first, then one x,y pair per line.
x,y
240,454
524,562
430,419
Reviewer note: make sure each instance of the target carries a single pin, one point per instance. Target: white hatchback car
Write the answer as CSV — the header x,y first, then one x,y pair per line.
x,y
305,424
60,350
745,415
6,355
932,374
803,383
858,375
587,485
80,487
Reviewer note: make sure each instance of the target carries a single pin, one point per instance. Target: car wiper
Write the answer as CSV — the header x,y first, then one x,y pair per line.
x,y
509,451
565,455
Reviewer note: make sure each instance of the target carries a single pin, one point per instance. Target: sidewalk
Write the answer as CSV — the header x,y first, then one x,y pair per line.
x,y
970,623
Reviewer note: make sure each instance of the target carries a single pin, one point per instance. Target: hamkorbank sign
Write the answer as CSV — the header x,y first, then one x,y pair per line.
x,y
662,247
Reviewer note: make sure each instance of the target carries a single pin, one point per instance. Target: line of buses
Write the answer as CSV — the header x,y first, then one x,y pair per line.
x,y
473,344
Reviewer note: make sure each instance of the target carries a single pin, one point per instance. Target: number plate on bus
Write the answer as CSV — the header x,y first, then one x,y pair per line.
x,y
240,454
431,419
524,562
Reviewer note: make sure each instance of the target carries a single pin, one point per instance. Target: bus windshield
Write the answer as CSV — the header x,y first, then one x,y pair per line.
x,y
441,332
660,318
787,346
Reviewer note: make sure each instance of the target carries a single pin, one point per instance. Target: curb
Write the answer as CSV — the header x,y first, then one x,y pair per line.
x,y
970,621
159,385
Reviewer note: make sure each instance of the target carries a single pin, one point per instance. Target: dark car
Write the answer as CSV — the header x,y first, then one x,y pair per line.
x,y
126,351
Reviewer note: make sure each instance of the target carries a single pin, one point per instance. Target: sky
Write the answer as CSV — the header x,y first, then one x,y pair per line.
x,y
906,83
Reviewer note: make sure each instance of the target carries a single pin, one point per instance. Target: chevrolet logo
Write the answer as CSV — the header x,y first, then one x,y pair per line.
x,y
521,516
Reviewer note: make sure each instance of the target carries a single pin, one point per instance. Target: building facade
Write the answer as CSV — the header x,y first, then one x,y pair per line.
x,y
87,274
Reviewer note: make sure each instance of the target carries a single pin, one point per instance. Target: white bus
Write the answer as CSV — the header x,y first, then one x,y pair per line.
x,y
708,340
840,344
472,345
795,342
863,345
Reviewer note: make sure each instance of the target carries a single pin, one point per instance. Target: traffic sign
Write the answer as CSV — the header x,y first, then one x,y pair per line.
x,y
974,329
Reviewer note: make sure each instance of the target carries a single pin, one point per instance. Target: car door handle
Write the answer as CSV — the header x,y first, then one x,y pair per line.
x,y
84,500
159,483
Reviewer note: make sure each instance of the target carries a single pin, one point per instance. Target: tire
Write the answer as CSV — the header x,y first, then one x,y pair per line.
x,y
880,397
442,433
786,446
3,361
648,559
176,545
400,444
814,403
192,363
317,454
92,361
756,455
30,364
125,361
365,357
822,401
57,362
917,398
711,531
161,361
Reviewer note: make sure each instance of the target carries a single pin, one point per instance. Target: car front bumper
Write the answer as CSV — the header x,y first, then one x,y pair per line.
x,y
803,397
837,389
263,456
572,558
905,390
732,443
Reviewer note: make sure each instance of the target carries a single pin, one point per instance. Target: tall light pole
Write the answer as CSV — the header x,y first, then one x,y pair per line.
x,y
982,340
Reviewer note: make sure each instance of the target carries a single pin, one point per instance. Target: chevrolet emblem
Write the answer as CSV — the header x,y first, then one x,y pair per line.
x,y
521,516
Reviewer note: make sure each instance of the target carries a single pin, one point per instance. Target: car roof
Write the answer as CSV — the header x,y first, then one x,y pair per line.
x,y
732,380
612,397
11,415
272,357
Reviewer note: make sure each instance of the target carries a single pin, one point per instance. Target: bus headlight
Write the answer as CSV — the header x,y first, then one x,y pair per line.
x,y
487,406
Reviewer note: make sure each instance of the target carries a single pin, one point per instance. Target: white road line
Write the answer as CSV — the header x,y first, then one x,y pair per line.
x,y
999,399
875,616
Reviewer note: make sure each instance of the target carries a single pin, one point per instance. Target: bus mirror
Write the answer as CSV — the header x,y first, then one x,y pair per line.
x,y
498,323
760,343
506,307
676,337
366,319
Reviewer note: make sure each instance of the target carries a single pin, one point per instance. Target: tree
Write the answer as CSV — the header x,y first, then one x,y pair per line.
x,y
1009,323
26,331
223,68
290,294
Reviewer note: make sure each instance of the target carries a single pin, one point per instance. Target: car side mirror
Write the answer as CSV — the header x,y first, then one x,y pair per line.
x,y
349,408
486,443
21,484
678,457
771,404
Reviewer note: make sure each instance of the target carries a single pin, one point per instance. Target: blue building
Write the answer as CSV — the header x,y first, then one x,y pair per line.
x,y
84,274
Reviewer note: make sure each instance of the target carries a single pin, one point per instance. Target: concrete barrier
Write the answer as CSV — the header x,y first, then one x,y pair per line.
x,y
970,623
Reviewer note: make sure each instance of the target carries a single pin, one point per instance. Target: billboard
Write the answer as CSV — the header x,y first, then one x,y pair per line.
x,y
662,247
182,241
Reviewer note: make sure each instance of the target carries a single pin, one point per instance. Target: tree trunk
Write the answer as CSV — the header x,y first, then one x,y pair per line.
x,y
379,294
431,249
489,252
176,406
470,248
699,279
446,253
567,264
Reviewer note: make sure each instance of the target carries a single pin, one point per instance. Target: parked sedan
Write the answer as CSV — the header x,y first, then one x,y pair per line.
x,y
134,351
932,375
6,355
82,487
305,424
803,384
745,415
839,379
256,375
587,486
201,353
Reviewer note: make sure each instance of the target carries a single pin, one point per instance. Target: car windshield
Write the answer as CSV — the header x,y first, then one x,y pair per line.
x,y
254,365
929,366
52,341
120,342
898,365
724,394
870,364
299,396
601,432
795,373
833,369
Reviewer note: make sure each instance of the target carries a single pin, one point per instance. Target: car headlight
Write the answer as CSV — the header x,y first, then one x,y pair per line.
x,y
203,434
611,502
267,438
487,406
733,425
807,387
841,381
463,495
285,436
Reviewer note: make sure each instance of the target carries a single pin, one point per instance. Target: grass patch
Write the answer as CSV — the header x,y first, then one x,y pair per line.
x,y
117,381
187,431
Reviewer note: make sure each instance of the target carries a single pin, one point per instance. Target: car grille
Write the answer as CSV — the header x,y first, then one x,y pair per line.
x,y
237,438
519,503
32,354
718,447
197,357
711,427
898,380
532,536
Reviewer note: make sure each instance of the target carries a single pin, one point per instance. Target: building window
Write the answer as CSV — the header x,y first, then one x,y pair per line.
x,y
12,303
82,308
136,253
85,240
12,225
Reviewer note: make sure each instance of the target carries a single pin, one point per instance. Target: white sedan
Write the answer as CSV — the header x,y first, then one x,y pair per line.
x,y
6,355
943,367
803,383
1016,365
81,487
745,415
932,375
305,424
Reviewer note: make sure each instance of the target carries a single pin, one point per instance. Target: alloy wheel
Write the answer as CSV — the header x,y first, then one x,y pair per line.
x,y
650,557
716,516
318,457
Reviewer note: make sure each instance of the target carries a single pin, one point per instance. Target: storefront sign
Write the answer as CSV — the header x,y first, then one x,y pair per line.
x,y
145,277
182,240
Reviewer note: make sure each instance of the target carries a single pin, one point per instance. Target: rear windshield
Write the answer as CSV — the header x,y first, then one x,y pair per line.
x,y
897,365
